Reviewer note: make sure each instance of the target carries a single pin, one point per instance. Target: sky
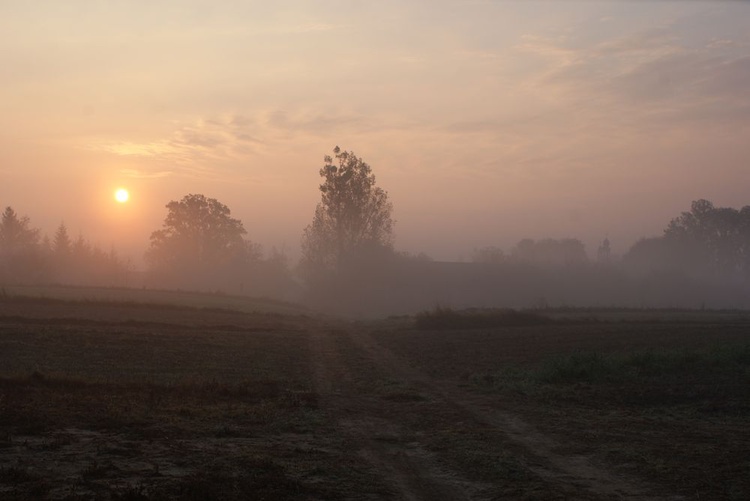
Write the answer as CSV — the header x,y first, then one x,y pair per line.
x,y
485,121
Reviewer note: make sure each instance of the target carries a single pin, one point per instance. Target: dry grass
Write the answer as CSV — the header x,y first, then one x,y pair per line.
x,y
100,400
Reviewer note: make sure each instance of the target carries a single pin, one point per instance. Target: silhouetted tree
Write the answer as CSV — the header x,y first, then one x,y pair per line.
x,y
20,256
16,234
662,254
353,214
272,276
419,257
723,233
550,252
198,236
494,255
61,243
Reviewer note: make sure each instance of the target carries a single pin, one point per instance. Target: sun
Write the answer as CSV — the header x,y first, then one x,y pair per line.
x,y
122,195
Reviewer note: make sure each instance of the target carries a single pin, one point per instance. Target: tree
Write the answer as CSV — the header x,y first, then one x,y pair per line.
x,y
550,252
61,244
724,234
353,215
21,260
666,255
198,234
16,234
492,254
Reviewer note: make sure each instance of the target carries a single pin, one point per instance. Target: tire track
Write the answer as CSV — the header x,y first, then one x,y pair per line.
x,y
558,469
410,471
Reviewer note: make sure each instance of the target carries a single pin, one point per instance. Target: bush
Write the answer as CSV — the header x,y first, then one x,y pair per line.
x,y
447,318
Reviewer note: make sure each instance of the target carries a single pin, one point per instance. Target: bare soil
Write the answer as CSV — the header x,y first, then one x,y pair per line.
x,y
107,401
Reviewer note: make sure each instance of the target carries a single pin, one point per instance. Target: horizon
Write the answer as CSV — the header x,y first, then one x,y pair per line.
x,y
485,122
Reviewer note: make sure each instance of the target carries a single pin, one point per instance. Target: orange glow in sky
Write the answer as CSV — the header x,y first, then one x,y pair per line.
x,y
486,122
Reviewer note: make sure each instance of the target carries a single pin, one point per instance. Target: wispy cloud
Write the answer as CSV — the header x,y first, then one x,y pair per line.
x,y
317,123
552,48
651,74
199,143
140,174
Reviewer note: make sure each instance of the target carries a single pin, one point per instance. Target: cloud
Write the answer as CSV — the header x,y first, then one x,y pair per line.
x,y
128,148
317,123
651,74
195,145
139,174
219,144
551,48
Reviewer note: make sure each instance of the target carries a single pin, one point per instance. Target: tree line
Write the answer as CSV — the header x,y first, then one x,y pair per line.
x,y
26,257
348,252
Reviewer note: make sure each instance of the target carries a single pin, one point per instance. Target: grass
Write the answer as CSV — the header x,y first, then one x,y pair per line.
x,y
713,380
475,318
593,367
149,298
675,414
646,366
140,402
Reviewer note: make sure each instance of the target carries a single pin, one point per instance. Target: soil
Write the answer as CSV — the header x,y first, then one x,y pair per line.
x,y
128,402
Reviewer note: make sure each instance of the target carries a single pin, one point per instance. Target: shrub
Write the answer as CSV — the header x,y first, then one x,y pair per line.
x,y
447,318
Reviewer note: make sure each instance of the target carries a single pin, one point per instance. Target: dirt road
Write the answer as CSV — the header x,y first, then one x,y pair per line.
x,y
431,439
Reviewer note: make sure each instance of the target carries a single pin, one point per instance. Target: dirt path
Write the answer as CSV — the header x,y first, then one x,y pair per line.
x,y
410,472
416,477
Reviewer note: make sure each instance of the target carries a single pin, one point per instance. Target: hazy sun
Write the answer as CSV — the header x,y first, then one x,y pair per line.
x,y
122,195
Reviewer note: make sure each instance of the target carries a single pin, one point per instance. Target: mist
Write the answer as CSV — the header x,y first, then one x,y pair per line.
x,y
534,129
700,261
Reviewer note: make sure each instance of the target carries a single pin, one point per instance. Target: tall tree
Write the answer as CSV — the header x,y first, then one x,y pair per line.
x,y
16,233
20,256
353,214
723,232
61,244
198,233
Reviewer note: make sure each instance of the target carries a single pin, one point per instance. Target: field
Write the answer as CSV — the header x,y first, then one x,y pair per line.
x,y
105,397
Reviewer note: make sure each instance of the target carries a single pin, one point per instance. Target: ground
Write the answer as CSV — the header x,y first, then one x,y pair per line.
x,y
121,400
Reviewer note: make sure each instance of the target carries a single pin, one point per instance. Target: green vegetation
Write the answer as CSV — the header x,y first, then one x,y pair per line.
x,y
593,367
108,400
666,365
667,412
475,318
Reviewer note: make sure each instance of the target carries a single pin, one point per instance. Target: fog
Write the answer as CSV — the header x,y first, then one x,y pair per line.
x,y
351,266
487,123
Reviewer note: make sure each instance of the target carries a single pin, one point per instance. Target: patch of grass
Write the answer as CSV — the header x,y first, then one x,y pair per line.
x,y
713,381
476,318
661,413
594,367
